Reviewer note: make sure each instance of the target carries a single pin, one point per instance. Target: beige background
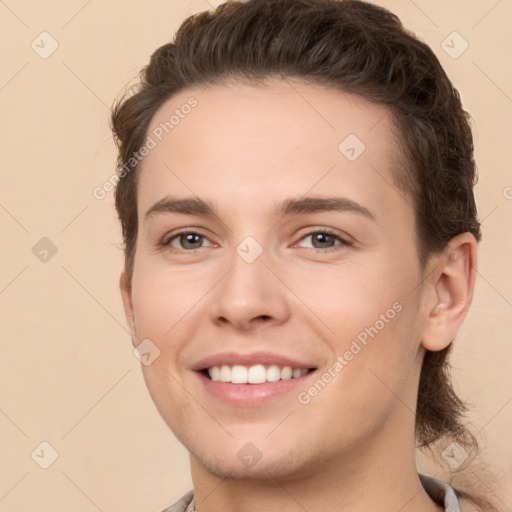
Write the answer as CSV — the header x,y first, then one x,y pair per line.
x,y
67,372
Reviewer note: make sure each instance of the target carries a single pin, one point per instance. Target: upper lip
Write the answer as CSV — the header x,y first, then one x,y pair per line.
x,y
232,358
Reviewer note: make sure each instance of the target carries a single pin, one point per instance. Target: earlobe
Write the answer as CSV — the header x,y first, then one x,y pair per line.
x,y
126,295
453,281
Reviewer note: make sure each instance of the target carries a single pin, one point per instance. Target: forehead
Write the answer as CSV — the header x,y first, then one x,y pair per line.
x,y
281,138
321,115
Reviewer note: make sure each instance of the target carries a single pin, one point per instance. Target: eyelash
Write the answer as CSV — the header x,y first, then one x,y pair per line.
x,y
324,231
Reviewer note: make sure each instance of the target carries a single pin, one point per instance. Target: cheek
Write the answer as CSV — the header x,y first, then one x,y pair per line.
x,y
349,298
371,375
169,396
368,317
165,299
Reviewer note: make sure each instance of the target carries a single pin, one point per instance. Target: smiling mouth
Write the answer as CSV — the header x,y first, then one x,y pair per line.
x,y
254,374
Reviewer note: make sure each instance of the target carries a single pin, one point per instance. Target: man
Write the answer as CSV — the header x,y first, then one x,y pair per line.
x,y
295,191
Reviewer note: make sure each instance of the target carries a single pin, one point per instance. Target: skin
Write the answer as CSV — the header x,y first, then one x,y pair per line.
x,y
245,148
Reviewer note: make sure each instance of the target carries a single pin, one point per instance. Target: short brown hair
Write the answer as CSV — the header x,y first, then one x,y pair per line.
x,y
355,47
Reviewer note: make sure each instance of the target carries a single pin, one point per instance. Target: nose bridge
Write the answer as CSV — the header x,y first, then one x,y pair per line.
x,y
249,290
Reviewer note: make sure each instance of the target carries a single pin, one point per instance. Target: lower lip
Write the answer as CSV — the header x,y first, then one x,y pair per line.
x,y
251,394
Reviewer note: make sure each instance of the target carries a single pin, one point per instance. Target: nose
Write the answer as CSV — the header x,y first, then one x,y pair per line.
x,y
250,295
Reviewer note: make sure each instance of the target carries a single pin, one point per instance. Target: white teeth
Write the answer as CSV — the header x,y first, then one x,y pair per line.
x,y
238,374
256,374
296,373
273,373
215,373
225,373
286,373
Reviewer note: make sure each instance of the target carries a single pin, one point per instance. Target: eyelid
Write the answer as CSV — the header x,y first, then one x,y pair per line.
x,y
166,241
344,239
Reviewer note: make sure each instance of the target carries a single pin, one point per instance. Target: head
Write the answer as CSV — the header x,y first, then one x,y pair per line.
x,y
293,99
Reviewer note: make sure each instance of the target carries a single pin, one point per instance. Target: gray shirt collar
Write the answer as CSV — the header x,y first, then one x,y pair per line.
x,y
440,492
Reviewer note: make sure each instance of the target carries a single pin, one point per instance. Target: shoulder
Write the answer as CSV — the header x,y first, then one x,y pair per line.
x,y
441,493
182,504
466,505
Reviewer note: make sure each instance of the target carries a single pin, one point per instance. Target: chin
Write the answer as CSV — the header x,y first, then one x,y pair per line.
x,y
248,463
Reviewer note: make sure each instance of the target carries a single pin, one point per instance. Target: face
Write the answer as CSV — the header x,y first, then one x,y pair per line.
x,y
276,273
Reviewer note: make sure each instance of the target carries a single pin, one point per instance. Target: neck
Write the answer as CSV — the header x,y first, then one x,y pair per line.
x,y
374,475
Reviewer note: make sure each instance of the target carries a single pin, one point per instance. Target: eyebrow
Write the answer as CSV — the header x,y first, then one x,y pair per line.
x,y
290,206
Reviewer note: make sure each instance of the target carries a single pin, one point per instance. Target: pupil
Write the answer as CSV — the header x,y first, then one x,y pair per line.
x,y
189,238
321,238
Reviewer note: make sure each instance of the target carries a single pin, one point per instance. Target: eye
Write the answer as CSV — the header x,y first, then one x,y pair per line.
x,y
323,240
326,239
186,240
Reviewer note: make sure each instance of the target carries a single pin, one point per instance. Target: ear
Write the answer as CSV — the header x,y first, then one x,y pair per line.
x,y
452,282
126,295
